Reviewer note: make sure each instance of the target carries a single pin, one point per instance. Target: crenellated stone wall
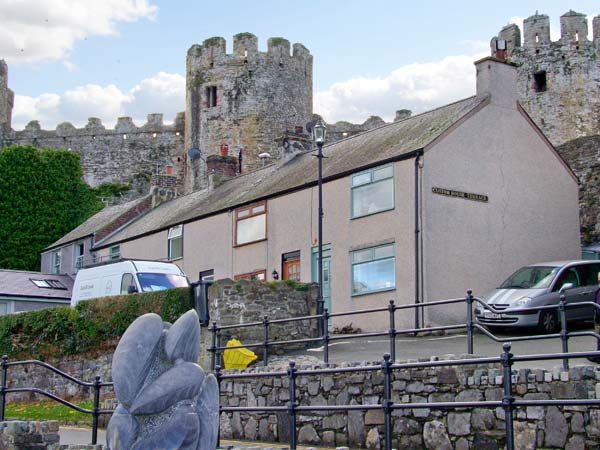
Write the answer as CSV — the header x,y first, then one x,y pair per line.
x,y
125,154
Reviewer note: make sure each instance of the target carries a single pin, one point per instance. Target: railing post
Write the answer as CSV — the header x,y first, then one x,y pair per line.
x,y
3,388
507,398
392,330
326,336
469,299
95,413
292,405
564,335
266,341
218,377
221,354
387,400
213,348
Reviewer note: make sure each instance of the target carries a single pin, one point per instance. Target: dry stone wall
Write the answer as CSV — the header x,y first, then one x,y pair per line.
x,y
25,435
571,427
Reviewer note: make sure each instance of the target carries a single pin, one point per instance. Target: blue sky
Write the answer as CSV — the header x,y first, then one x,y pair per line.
x,y
71,59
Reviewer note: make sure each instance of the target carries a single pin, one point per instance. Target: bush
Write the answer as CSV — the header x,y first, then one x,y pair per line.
x,y
93,325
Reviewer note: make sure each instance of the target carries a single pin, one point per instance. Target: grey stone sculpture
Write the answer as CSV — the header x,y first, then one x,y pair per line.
x,y
165,400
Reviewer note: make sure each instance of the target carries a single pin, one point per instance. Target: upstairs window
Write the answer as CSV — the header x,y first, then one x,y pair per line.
x,y
56,262
251,223
373,269
373,191
211,96
539,81
175,239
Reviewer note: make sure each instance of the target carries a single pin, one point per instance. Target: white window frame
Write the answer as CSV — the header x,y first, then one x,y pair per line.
x,y
175,234
114,255
372,259
356,185
56,257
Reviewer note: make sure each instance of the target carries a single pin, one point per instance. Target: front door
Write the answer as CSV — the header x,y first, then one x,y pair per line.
x,y
326,274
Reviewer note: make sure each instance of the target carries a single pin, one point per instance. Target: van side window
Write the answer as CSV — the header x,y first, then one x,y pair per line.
x,y
126,281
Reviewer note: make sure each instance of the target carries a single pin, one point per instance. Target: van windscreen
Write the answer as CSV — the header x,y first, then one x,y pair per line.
x,y
160,281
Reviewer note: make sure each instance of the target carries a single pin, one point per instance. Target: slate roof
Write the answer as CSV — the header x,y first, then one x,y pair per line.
x,y
386,143
18,283
95,223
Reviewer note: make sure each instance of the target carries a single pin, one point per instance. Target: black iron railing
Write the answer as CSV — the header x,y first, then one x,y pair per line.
x,y
508,402
470,326
96,385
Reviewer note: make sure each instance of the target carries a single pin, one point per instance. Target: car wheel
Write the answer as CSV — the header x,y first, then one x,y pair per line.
x,y
548,321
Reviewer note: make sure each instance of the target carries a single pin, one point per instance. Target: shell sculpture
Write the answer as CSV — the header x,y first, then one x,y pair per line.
x,y
166,402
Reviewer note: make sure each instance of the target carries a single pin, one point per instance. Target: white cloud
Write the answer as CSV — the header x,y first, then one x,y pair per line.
x,y
418,87
163,93
35,30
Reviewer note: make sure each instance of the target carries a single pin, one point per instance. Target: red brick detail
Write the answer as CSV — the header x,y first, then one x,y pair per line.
x,y
222,165
124,218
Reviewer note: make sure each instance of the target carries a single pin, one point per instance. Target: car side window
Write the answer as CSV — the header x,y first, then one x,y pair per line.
x,y
591,274
570,275
126,281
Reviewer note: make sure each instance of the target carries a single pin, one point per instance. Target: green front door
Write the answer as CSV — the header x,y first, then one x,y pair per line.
x,y
326,274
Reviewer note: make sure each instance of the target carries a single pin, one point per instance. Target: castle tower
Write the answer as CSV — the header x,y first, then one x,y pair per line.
x,y
243,100
558,81
6,99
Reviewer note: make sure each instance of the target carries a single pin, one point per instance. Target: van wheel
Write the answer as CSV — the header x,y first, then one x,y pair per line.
x,y
548,321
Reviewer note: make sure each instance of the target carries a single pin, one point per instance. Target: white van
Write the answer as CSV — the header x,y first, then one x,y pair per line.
x,y
126,277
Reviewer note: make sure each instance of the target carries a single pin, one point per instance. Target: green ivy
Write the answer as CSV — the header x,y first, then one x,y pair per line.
x,y
110,189
93,325
42,197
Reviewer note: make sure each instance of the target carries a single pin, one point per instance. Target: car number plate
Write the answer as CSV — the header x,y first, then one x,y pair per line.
x,y
491,315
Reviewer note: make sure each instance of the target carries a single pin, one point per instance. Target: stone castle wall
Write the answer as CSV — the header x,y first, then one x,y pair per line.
x,y
583,155
558,81
247,98
125,154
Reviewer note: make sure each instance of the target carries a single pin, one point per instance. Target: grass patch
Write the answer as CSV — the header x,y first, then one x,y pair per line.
x,y
49,410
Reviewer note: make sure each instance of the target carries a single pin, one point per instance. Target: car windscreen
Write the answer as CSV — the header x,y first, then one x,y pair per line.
x,y
160,281
534,277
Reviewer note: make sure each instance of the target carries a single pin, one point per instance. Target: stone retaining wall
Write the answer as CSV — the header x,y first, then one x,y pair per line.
x,y
571,427
21,435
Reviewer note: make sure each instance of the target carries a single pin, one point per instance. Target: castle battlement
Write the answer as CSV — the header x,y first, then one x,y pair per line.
x,y
213,51
95,127
536,34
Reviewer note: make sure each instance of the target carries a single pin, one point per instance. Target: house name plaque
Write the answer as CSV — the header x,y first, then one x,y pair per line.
x,y
460,194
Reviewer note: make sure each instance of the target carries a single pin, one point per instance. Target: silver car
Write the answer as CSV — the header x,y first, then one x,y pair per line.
x,y
539,285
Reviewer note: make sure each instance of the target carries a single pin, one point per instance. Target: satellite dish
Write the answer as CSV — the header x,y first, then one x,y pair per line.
x,y
194,153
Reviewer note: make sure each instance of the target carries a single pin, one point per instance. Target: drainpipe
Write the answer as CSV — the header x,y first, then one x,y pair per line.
x,y
417,232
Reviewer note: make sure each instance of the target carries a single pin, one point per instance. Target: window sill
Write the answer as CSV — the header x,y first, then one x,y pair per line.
x,y
360,294
249,243
371,214
174,259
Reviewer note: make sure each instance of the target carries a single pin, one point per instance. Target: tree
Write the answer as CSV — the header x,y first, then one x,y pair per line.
x,y
42,197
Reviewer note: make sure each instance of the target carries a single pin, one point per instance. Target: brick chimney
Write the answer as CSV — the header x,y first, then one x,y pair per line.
x,y
498,79
220,169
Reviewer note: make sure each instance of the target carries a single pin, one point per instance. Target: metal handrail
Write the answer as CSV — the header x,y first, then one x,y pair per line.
x,y
470,326
97,384
508,402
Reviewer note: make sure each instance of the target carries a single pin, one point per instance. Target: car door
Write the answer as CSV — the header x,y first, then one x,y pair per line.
x,y
574,276
590,286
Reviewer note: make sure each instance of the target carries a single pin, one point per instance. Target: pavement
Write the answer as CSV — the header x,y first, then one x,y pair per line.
x,y
349,349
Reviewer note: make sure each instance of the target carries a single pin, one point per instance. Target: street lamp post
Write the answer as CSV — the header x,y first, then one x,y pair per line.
x,y
319,135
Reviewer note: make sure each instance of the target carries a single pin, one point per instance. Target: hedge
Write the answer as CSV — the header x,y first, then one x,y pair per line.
x,y
93,325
